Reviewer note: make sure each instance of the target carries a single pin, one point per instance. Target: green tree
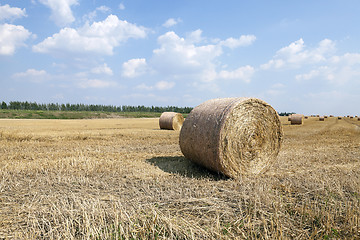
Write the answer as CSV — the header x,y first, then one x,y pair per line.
x,y
3,105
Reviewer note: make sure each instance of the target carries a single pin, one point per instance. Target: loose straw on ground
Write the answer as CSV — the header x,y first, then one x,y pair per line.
x,y
234,136
171,120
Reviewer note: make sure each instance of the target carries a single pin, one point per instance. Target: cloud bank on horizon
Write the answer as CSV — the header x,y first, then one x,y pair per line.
x,y
122,54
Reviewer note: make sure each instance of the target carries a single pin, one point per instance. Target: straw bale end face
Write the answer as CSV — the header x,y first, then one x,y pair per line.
x,y
234,136
171,121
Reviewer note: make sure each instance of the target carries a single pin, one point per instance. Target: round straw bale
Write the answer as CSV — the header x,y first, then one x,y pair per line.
x,y
234,136
321,118
339,117
289,117
171,120
358,118
297,119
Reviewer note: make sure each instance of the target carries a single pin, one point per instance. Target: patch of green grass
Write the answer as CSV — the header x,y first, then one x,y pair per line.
x,y
36,114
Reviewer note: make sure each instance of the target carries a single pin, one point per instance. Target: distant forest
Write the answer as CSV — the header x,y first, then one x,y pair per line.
x,y
16,105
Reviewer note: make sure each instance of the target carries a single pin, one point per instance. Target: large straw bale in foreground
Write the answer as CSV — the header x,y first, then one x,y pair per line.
x,y
171,120
297,119
233,136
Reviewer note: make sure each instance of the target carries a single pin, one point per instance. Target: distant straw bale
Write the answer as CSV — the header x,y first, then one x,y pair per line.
x,y
171,120
321,118
234,136
339,117
289,117
297,119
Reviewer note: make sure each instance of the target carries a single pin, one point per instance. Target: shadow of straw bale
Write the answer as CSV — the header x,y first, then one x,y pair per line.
x,y
184,167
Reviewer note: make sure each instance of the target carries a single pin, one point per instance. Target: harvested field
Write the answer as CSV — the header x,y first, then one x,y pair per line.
x,y
127,179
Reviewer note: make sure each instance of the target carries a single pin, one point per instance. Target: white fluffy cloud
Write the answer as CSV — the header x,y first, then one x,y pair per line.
x,y
276,89
171,22
102,69
177,56
99,38
310,75
164,85
296,55
121,6
61,12
161,85
242,73
11,37
95,83
338,70
90,16
191,59
33,75
134,67
11,13
244,40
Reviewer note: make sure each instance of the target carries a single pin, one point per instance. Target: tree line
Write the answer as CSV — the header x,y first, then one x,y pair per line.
x,y
17,105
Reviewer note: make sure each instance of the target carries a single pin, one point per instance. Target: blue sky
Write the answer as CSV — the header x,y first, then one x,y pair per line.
x,y
301,56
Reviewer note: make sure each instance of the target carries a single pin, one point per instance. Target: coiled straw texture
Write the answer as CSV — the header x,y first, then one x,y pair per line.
x,y
171,120
234,136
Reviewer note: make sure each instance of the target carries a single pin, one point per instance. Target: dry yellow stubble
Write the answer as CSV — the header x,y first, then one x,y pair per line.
x,y
126,179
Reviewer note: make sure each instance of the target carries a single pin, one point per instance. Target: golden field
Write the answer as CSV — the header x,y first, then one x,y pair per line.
x,y
127,179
